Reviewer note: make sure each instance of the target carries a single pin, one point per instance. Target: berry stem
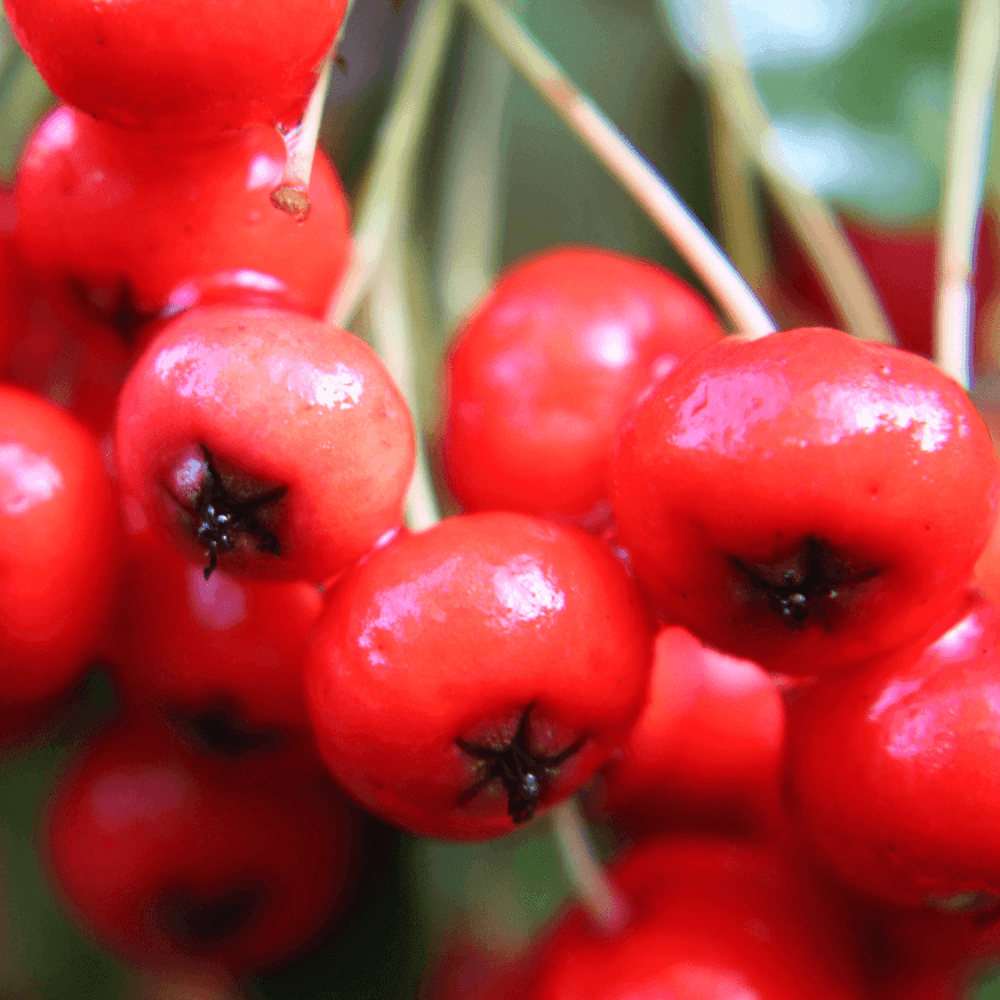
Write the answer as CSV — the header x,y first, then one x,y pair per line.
x,y
743,236
393,336
814,224
602,899
292,193
977,60
472,204
396,148
607,144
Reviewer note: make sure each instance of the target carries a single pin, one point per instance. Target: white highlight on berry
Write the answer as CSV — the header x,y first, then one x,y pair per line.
x,y
842,411
610,344
190,367
719,418
523,588
405,601
27,479
263,171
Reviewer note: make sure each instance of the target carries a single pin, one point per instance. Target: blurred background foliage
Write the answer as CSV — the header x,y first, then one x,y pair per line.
x,y
858,91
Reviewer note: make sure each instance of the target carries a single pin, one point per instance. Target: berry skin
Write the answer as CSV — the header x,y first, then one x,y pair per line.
x,y
891,769
710,920
806,500
538,378
163,853
121,222
59,556
65,354
263,441
464,678
180,66
220,649
707,749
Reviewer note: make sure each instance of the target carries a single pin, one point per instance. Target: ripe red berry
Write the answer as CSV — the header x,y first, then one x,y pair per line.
x,y
165,854
269,442
222,650
462,678
709,919
539,376
180,66
892,768
805,500
121,222
707,749
59,556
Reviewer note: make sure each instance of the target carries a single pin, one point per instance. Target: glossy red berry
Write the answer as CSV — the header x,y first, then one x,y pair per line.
x,y
709,919
121,222
220,652
540,374
707,749
263,441
180,66
165,854
59,556
805,500
892,770
463,678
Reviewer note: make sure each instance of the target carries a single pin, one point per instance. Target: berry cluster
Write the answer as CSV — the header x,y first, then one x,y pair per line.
x,y
674,544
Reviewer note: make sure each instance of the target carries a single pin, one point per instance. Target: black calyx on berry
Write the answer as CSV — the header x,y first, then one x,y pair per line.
x,y
220,518
523,773
801,589
198,923
220,729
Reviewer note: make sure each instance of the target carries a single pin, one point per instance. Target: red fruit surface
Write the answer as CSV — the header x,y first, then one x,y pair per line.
x,y
179,66
59,556
892,769
539,376
222,646
499,632
805,500
65,354
707,748
710,920
902,264
12,303
163,853
122,222
281,402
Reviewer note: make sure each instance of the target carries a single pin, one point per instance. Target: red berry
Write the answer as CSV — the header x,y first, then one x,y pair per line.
x,y
180,66
224,649
541,373
266,440
892,769
163,853
707,748
121,222
805,500
72,359
59,556
464,677
709,919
